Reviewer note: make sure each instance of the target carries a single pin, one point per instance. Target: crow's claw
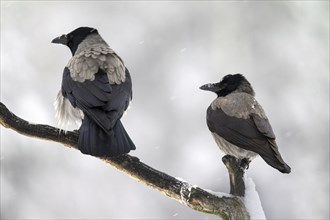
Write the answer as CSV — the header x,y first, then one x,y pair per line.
x,y
245,162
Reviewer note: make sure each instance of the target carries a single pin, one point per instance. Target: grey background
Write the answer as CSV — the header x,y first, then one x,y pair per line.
x,y
170,48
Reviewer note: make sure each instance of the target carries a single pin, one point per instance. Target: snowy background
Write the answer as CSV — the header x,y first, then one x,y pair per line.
x,y
170,48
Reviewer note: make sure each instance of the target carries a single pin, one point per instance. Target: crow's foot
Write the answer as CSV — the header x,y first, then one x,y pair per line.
x,y
245,162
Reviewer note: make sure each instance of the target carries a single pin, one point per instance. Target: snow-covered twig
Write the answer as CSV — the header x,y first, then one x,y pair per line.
x,y
226,207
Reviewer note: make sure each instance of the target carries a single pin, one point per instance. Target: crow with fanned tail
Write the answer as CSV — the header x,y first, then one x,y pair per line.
x,y
96,89
239,125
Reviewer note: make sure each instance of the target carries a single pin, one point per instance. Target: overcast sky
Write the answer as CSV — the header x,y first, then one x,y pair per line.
x,y
171,48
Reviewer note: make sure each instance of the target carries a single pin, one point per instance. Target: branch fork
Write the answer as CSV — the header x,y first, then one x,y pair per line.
x,y
226,207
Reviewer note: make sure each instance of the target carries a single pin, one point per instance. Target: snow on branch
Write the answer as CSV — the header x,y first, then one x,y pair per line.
x,y
226,207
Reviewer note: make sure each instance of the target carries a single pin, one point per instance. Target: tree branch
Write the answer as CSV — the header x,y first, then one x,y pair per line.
x,y
226,207
236,175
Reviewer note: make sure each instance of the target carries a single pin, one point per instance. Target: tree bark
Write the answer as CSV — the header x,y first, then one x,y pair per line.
x,y
226,207
236,175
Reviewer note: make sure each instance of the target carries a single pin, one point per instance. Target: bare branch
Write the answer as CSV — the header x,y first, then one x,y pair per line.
x,y
226,207
236,175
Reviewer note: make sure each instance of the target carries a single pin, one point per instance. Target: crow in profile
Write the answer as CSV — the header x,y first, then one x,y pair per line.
x,y
96,89
239,125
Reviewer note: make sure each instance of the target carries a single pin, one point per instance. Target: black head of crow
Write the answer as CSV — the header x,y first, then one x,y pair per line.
x,y
238,123
96,89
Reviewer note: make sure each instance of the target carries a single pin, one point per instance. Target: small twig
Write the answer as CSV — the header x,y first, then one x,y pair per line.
x,y
194,197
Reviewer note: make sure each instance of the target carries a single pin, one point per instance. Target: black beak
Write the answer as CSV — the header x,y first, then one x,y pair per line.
x,y
61,40
213,87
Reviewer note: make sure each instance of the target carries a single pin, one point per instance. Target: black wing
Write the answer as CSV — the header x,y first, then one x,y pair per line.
x,y
253,134
240,132
102,102
263,126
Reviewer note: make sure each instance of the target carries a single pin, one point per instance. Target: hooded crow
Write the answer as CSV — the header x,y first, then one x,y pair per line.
x,y
239,125
96,91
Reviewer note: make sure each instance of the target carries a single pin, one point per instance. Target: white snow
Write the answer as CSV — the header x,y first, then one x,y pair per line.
x,y
185,187
252,200
218,194
180,179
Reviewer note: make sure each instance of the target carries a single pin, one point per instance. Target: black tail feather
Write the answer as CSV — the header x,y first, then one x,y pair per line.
x,y
274,159
280,165
94,141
